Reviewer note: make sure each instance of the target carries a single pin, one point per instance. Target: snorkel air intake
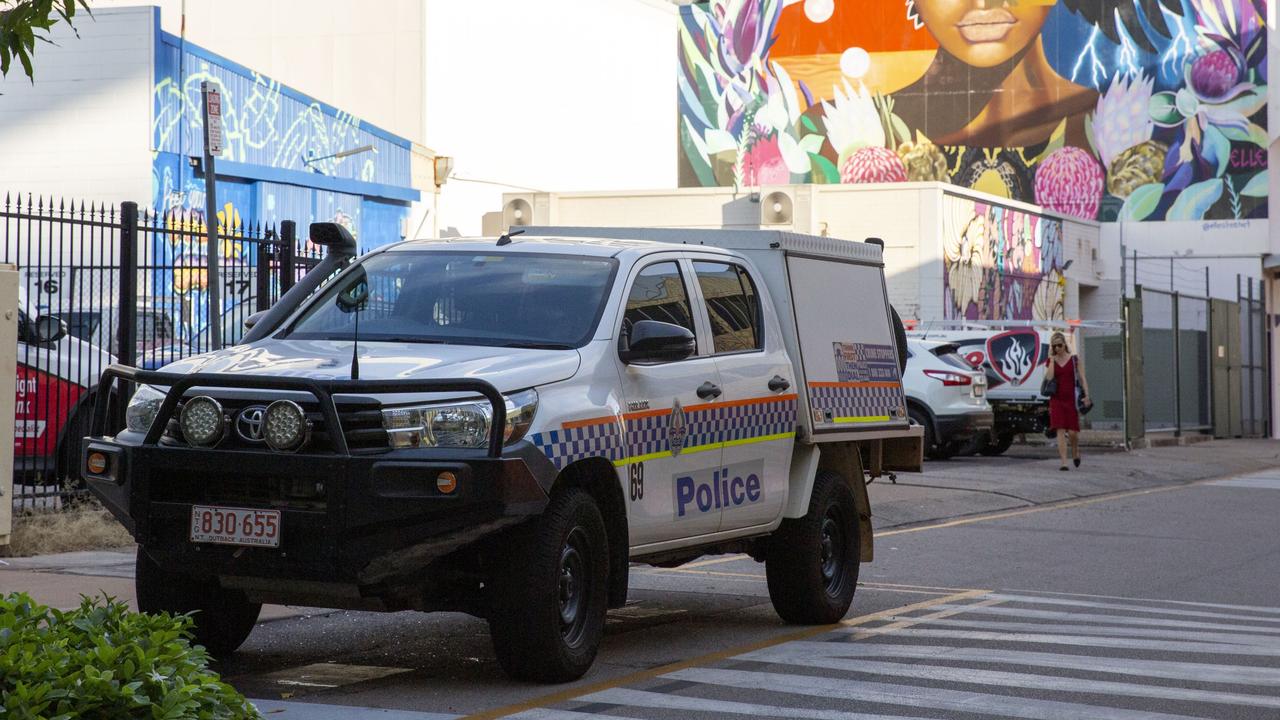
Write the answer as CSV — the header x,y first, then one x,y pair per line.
x,y
341,249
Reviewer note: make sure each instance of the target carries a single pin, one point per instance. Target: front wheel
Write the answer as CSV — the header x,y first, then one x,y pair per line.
x,y
223,618
552,594
812,563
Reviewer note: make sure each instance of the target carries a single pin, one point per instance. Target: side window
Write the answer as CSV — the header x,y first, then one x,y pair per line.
x,y
658,293
732,306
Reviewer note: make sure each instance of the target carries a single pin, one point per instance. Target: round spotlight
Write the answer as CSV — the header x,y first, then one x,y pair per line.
x,y
446,482
202,421
284,426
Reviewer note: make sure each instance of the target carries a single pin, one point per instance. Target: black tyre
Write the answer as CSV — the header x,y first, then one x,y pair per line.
x,y
223,618
933,450
812,565
548,617
78,426
899,339
996,445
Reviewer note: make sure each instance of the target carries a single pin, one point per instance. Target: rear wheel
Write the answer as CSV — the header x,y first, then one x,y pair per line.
x,y
932,448
552,594
997,445
812,563
223,618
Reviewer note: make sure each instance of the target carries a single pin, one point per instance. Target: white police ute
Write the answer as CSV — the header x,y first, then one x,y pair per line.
x,y
500,426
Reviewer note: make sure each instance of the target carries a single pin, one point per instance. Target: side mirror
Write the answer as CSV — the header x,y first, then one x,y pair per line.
x,y
652,341
253,319
49,329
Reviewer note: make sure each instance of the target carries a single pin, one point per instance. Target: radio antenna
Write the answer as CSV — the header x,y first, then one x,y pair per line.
x,y
355,346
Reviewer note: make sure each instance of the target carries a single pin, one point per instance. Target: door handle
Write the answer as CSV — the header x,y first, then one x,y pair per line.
x,y
778,383
708,390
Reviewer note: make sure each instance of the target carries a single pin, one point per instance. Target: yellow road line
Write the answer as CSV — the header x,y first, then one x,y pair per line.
x,y
571,693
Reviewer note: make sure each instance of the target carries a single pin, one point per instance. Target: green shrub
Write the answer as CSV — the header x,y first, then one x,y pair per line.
x,y
103,662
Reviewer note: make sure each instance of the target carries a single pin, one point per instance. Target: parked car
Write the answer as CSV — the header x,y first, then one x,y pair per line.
x,y
1011,358
158,342
57,377
947,396
523,419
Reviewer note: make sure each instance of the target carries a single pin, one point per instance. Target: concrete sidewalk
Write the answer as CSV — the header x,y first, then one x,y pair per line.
x,y
1024,477
1027,476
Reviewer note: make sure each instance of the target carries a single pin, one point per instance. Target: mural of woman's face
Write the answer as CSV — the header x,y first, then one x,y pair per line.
x,y
984,33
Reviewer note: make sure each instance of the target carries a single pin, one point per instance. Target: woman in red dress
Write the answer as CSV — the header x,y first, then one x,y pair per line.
x,y
1063,416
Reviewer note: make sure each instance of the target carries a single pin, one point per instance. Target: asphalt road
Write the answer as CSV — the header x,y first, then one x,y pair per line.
x,y
1153,604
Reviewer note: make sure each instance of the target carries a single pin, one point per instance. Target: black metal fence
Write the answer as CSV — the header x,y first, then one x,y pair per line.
x,y
131,286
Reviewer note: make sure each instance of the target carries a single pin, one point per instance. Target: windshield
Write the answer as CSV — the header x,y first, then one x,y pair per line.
x,y
509,300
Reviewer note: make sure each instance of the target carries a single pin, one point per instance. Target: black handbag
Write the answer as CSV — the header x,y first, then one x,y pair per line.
x,y
1082,407
1049,386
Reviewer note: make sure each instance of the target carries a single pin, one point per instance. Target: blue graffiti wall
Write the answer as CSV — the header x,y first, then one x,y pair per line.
x,y
276,165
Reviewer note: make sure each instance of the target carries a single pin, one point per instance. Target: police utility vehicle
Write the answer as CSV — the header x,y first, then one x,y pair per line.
x,y
500,427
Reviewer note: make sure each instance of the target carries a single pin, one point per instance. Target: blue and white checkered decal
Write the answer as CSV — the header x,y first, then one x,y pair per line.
x,y
648,433
862,401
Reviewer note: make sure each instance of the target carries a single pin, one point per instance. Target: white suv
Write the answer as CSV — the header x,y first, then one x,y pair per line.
x,y
947,396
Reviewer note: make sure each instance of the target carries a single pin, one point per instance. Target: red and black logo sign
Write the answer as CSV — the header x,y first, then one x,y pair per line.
x,y
1013,354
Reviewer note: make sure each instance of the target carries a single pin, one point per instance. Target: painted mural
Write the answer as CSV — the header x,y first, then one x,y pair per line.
x,y
1142,109
268,127
1000,263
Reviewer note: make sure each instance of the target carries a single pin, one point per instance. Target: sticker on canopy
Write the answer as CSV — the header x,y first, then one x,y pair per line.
x,y
1013,354
865,362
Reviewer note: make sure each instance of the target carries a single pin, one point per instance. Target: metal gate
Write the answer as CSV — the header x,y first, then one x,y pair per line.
x,y
1255,406
1175,362
130,287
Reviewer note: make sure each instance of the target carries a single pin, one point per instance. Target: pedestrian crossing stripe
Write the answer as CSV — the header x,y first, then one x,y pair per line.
x,y
1001,655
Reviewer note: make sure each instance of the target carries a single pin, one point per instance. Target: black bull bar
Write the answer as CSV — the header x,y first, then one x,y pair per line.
x,y
322,390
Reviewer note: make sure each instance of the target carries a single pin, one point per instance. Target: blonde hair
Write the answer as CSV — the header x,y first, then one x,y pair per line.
x,y
1056,337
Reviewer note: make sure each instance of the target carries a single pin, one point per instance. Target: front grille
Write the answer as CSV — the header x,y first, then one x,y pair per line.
x,y
239,488
361,425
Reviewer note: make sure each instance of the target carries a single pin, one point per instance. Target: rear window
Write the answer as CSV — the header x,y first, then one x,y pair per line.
x,y
950,355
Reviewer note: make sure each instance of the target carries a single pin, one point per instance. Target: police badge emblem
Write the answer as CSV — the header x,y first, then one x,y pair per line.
x,y
677,429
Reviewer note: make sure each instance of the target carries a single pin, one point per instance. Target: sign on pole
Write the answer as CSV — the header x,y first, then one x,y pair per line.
x,y
213,110
212,148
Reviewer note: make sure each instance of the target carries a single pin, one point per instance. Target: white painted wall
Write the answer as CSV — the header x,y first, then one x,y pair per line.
x,y
83,128
364,57
548,95
1226,247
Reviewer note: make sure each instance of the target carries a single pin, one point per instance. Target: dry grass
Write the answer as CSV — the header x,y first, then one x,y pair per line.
x,y
83,526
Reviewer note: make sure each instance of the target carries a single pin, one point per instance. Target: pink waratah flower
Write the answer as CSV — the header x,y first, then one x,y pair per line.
x,y
1069,181
873,165
762,164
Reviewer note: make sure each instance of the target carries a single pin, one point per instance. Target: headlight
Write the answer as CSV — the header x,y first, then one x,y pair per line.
x,y
202,421
142,408
284,426
460,425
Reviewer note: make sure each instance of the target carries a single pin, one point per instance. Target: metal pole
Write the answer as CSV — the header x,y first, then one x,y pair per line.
x,y
1177,372
1171,285
1206,282
288,244
213,248
127,330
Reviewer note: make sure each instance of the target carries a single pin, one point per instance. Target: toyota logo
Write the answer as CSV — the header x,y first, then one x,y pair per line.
x,y
249,423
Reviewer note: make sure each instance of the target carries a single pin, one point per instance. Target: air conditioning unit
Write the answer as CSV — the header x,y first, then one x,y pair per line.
x,y
789,206
516,212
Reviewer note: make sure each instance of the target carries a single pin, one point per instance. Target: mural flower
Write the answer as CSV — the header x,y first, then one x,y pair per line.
x,y
1122,118
924,160
873,165
762,163
1048,301
852,120
1140,165
1069,181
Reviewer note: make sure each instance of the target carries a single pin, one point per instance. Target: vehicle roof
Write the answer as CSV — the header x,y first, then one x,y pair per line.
x,y
591,246
928,344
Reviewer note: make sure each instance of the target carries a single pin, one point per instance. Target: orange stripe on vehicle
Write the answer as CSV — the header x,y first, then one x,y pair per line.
x,y
573,424
878,384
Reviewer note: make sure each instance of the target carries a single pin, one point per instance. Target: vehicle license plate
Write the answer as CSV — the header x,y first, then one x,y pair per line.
x,y
235,526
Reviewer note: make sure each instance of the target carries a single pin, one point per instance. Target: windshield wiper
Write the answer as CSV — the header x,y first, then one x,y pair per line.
x,y
537,345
